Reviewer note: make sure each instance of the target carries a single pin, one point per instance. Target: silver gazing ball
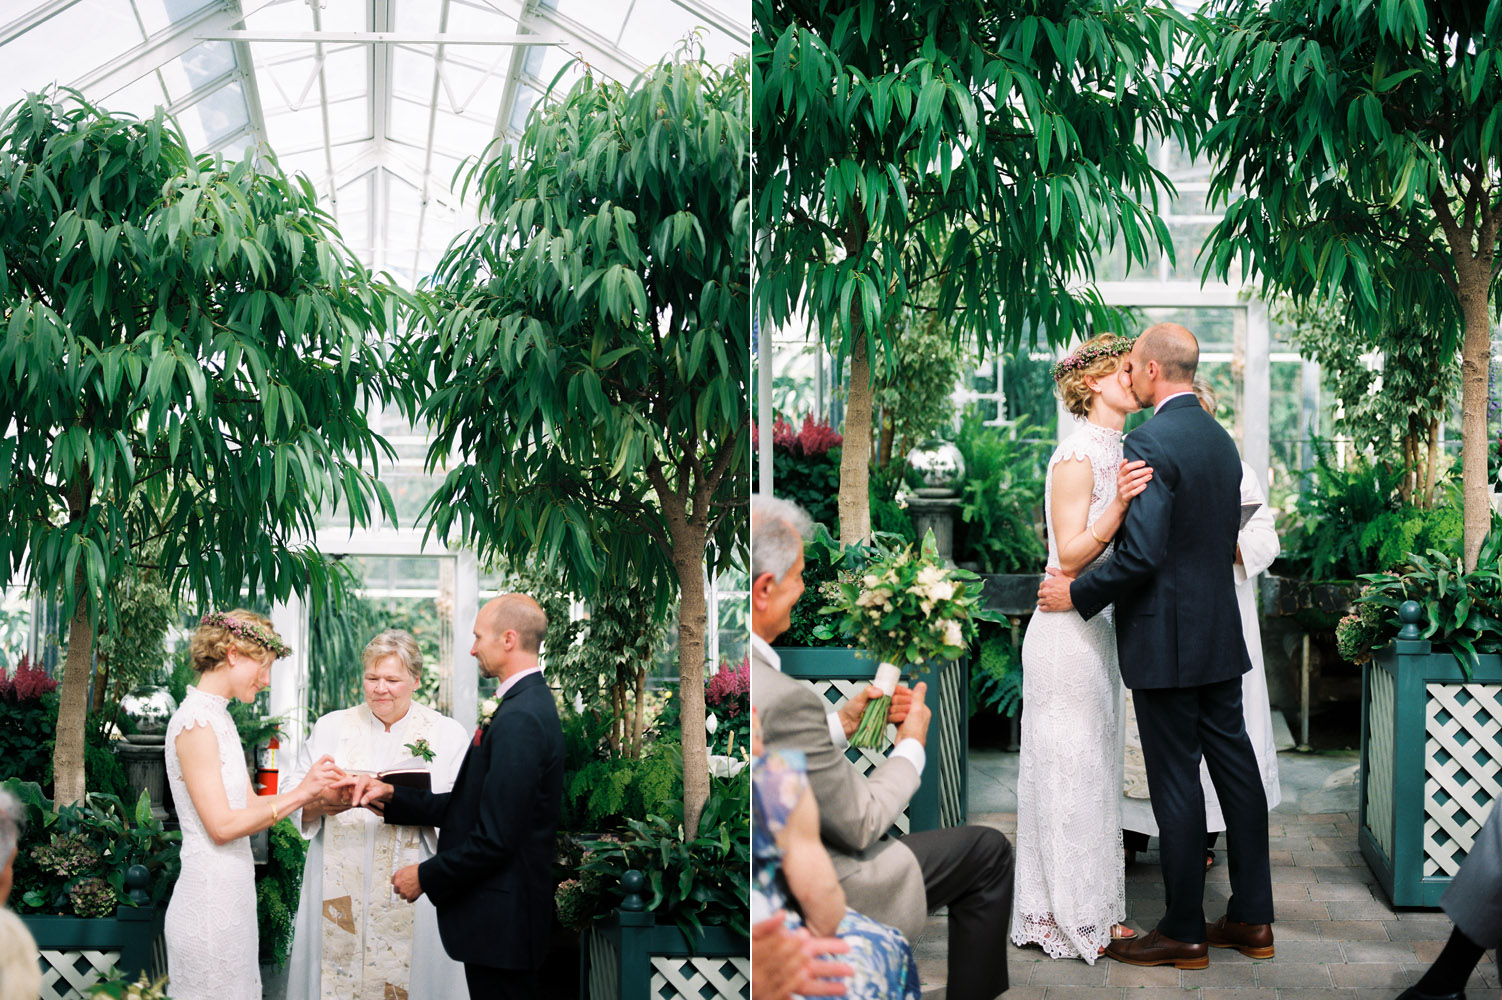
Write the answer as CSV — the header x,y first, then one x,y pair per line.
x,y
149,709
940,465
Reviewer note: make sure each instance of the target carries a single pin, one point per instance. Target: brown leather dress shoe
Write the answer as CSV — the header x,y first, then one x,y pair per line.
x,y
1153,948
1252,940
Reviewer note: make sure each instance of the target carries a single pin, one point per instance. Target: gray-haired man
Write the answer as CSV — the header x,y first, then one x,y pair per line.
x,y
895,880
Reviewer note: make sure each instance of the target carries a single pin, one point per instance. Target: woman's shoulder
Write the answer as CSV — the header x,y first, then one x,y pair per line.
x,y
197,709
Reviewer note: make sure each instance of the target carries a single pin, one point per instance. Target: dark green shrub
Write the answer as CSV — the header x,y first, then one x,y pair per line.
x,y
693,883
98,838
1001,500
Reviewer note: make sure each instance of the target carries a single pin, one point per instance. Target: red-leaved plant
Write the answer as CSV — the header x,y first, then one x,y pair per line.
x,y
26,683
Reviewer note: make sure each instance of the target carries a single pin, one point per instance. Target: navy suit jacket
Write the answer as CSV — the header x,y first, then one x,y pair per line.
x,y
1177,622
492,878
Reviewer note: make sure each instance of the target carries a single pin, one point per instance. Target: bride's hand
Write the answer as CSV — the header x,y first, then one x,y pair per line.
x,y
319,777
1131,479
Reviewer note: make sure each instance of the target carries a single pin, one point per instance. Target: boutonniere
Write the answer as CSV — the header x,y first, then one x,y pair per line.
x,y
487,712
421,749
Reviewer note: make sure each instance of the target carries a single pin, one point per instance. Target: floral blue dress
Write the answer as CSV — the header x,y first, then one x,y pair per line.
x,y
882,957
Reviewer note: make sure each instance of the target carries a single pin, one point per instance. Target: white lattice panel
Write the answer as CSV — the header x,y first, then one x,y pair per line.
x,y
1379,761
67,975
604,976
1462,759
952,687
701,978
837,692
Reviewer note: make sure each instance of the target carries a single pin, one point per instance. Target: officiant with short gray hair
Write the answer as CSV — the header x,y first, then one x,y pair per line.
x,y
354,937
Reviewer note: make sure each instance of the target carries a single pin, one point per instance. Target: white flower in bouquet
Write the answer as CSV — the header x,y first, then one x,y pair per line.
x,y
954,634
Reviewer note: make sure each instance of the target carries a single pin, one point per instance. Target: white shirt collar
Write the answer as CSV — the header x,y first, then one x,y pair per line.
x,y
764,647
1165,399
510,682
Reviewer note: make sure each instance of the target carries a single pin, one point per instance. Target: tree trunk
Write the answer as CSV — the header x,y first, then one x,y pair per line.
x,y
1475,365
101,684
638,717
693,613
1431,467
855,458
73,694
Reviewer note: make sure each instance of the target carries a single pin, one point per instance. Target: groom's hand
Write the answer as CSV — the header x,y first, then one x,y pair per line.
x,y
406,883
1053,593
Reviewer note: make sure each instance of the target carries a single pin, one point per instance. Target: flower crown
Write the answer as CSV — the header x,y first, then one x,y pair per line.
x,y
1091,353
250,631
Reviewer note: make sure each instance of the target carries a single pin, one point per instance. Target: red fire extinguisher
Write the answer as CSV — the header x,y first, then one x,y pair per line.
x,y
266,769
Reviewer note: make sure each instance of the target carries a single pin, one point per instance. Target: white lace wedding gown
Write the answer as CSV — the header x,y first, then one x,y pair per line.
x,y
1070,886
211,921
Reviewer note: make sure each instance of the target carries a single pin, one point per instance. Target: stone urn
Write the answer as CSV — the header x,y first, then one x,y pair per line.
x,y
143,753
941,468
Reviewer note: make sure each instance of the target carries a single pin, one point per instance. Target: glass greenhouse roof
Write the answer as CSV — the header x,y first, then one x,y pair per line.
x,y
376,101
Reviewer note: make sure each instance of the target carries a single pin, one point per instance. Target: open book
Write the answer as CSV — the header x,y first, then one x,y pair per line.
x,y
408,777
1247,510
407,774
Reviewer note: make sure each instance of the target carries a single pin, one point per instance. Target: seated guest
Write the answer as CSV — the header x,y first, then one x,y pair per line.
x,y
786,963
1474,902
20,969
788,860
894,880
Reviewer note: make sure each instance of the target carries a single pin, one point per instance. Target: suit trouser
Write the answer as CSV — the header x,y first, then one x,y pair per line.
x,y
1474,899
489,983
969,869
1178,726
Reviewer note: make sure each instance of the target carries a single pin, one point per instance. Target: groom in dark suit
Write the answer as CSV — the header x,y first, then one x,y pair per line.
x,y
492,878
1178,636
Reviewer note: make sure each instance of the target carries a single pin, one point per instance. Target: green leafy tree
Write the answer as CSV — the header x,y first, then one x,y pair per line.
x,y
971,157
588,351
913,398
187,357
1358,147
1394,387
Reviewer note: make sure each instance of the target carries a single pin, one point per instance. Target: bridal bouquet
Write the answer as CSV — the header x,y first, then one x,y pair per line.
x,y
904,606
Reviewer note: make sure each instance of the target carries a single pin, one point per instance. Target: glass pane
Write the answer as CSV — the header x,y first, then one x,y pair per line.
x,y
466,135
216,116
202,64
412,73
604,17
1214,326
69,44
409,121
349,119
651,34
477,19
160,14
140,98
295,131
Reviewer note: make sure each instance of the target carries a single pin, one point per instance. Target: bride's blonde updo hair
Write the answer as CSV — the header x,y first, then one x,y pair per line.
x,y
243,631
1096,358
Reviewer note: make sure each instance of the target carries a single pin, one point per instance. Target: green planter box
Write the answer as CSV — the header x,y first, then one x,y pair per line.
x,y
942,799
1431,763
628,956
76,953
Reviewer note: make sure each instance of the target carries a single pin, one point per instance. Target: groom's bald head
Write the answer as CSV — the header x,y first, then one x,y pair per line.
x,y
1173,347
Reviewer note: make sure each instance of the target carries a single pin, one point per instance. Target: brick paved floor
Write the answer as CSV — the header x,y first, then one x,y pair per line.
x,y
1337,937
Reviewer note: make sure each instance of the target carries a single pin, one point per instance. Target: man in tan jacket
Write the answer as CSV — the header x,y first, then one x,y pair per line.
x,y
897,880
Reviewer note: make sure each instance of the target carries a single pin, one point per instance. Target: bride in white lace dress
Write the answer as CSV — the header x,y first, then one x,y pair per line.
x,y
211,921
1070,892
